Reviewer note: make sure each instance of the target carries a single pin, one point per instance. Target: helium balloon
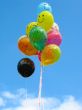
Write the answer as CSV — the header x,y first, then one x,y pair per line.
x,y
30,26
25,46
25,67
39,55
44,7
45,20
38,37
50,54
54,37
55,25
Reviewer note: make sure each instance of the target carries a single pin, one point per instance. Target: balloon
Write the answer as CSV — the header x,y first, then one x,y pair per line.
x,y
39,55
25,46
54,37
25,67
38,37
45,20
30,26
44,7
55,25
50,54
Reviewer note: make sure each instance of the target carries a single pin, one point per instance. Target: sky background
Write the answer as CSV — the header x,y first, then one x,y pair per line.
x,y
60,79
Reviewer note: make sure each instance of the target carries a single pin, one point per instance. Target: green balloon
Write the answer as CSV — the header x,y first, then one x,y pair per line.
x,y
38,37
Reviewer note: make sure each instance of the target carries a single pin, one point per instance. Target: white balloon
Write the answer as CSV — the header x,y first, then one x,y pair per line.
x,y
55,25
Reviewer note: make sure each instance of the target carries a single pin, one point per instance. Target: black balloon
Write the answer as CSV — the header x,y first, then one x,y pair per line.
x,y
26,67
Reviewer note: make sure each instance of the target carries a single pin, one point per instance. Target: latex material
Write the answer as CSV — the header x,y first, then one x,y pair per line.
x,y
39,55
45,20
25,67
25,46
30,26
50,54
38,38
54,37
44,7
55,25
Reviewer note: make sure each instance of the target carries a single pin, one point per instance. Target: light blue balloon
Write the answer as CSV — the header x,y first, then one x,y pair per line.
x,y
44,7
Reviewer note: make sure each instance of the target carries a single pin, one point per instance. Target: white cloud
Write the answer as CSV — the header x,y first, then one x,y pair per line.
x,y
70,104
2,102
8,95
31,103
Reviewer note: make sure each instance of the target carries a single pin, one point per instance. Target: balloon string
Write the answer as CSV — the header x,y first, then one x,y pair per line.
x,y
26,91
40,88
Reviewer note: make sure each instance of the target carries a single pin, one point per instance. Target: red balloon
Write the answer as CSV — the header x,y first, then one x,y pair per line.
x,y
39,55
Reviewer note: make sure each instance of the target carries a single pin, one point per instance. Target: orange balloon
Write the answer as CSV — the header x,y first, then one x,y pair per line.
x,y
25,46
50,54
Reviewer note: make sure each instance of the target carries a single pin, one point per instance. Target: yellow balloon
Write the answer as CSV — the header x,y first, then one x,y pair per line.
x,y
45,20
30,26
25,46
50,54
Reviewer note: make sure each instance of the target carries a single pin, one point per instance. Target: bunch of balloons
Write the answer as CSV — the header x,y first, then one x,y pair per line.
x,y
42,38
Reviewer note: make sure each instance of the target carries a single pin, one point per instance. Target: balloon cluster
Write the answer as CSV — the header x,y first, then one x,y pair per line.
x,y
42,37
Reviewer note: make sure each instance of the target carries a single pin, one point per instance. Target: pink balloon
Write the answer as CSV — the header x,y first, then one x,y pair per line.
x,y
54,37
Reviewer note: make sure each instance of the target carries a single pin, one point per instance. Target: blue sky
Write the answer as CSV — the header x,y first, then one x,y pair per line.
x,y
61,79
